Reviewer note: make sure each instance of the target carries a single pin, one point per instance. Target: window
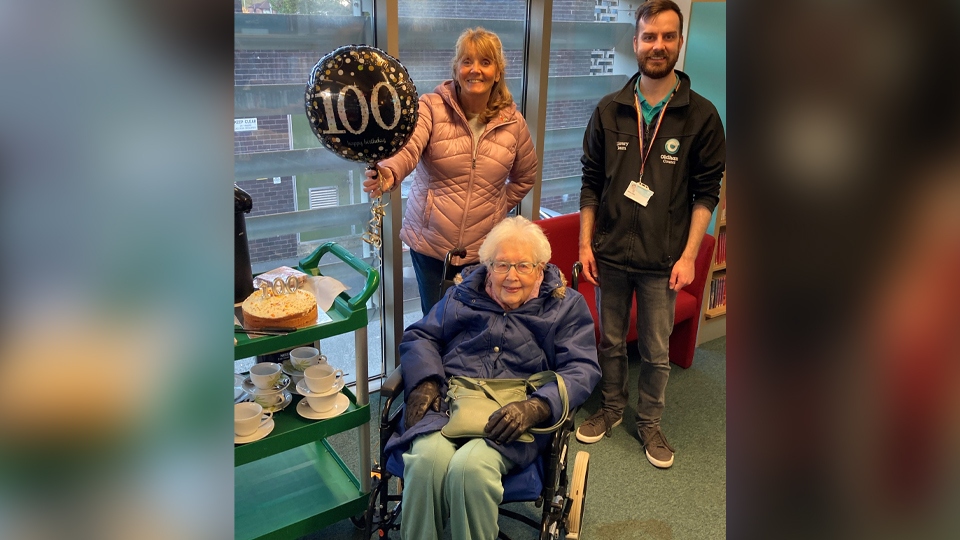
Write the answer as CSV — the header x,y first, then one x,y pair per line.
x,y
302,195
591,55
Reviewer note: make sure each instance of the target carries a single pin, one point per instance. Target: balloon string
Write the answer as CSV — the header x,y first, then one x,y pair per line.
x,y
374,237
375,227
374,233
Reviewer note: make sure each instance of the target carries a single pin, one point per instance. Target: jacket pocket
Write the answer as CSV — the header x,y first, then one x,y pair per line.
x,y
600,226
501,209
598,241
428,209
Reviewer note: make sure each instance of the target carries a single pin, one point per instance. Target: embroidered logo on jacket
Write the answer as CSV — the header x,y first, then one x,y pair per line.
x,y
622,145
671,146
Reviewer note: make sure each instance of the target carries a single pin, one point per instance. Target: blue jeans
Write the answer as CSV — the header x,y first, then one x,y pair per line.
x,y
655,312
429,275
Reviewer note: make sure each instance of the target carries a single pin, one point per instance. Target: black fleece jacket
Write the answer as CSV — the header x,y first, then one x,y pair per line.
x,y
686,163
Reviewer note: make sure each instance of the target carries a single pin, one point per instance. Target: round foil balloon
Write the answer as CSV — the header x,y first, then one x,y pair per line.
x,y
361,103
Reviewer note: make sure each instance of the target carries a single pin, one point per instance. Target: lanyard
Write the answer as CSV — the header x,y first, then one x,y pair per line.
x,y
640,130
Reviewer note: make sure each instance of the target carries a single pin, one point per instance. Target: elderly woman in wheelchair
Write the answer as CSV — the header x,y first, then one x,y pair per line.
x,y
510,316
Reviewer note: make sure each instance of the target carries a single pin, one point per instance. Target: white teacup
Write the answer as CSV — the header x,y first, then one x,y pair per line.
x,y
322,377
269,400
266,375
248,418
303,357
323,403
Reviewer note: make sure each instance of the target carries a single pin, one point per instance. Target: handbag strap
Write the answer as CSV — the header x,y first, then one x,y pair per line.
x,y
483,386
543,378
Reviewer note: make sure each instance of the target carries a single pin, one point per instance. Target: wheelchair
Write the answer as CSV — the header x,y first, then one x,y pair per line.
x,y
548,481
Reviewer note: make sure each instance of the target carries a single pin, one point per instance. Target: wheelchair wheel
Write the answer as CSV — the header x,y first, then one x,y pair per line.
x,y
578,494
383,509
360,521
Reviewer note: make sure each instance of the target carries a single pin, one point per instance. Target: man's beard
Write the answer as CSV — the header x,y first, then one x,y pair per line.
x,y
657,72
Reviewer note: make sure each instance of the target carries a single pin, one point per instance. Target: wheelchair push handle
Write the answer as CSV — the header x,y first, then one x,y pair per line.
x,y
455,252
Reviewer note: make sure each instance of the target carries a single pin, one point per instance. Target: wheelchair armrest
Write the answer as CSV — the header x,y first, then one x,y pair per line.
x,y
392,387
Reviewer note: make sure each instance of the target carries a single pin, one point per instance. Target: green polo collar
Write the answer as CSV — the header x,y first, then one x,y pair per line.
x,y
650,111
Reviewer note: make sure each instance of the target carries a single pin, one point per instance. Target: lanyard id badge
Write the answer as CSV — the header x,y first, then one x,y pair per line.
x,y
639,192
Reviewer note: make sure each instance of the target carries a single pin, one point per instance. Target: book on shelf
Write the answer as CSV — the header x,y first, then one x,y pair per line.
x,y
721,251
723,291
724,246
718,292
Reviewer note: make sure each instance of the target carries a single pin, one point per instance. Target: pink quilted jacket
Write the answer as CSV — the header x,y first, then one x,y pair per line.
x,y
460,192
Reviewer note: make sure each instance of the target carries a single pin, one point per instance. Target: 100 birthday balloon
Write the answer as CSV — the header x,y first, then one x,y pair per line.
x,y
353,85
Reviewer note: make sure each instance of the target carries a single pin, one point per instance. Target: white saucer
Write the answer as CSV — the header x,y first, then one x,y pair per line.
x,y
260,433
303,390
304,410
251,388
237,390
293,385
287,399
290,370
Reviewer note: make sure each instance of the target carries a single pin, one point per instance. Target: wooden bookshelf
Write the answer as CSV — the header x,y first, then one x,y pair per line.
x,y
716,294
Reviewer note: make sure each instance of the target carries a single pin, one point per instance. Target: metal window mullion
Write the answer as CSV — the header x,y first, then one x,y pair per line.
x,y
534,97
387,38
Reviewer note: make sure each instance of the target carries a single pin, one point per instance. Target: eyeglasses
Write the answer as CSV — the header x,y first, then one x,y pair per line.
x,y
523,268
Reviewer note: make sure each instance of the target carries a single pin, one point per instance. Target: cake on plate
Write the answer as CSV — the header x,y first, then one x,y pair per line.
x,y
296,309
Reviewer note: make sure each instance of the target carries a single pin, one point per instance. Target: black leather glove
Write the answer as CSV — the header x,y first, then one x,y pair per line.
x,y
508,423
425,395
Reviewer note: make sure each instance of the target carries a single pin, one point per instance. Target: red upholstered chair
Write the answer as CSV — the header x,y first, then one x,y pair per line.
x,y
563,232
687,316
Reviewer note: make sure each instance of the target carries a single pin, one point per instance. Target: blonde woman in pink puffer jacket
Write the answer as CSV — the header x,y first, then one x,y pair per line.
x,y
474,161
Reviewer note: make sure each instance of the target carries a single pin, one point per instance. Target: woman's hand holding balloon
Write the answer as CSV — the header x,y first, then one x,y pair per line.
x,y
372,184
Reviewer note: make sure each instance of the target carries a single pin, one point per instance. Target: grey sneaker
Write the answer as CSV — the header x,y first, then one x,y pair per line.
x,y
597,425
659,452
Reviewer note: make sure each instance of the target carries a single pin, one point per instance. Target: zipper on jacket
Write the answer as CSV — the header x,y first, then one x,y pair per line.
x,y
473,173
466,203
473,168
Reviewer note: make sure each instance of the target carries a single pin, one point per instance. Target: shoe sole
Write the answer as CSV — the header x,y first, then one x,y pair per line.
x,y
657,463
586,439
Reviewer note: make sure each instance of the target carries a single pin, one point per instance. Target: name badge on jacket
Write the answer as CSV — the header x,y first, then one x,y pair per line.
x,y
638,193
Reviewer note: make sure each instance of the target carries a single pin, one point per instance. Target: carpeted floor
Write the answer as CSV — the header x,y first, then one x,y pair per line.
x,y
627,498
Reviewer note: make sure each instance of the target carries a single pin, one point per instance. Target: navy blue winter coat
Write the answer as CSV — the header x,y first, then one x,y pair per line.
x,y
468,333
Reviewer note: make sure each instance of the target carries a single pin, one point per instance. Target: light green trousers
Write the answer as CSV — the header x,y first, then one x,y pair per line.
x,y
441,479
